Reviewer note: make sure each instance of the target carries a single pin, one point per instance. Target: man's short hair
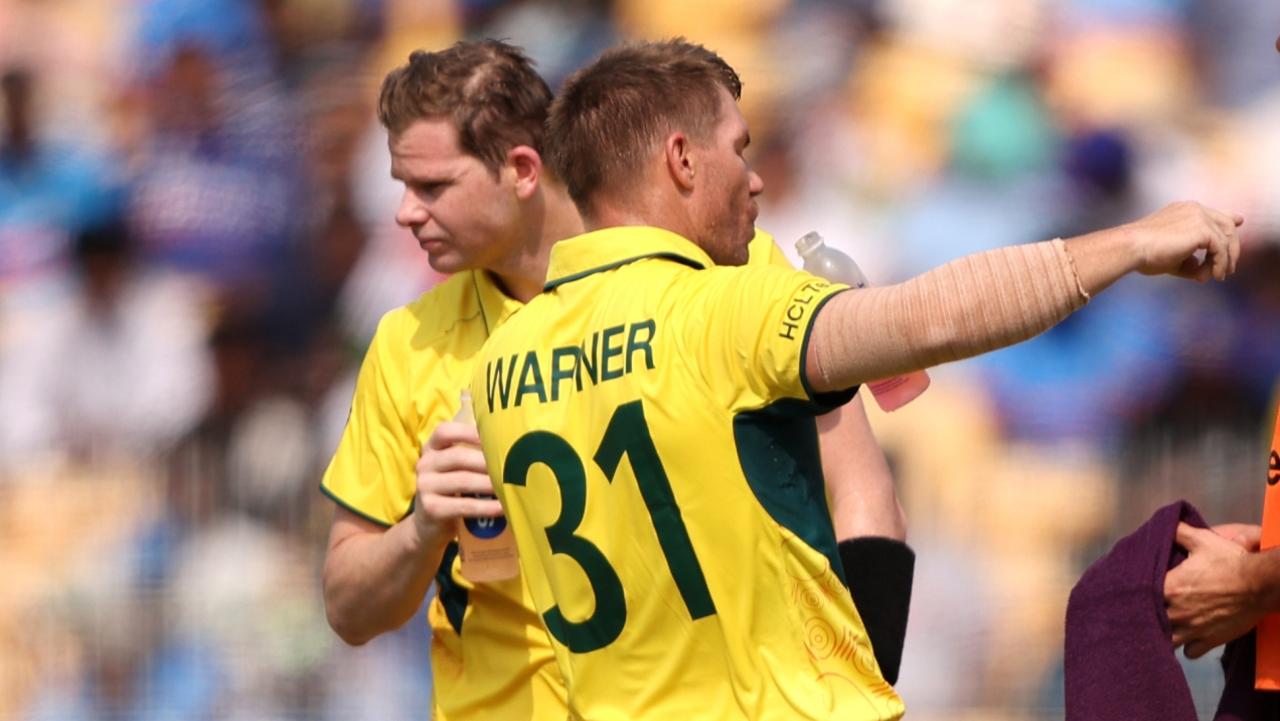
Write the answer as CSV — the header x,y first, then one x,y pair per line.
x,y
611,116
487,88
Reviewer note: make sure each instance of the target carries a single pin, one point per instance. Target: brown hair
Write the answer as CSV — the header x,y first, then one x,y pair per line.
x,y
487,88
611,114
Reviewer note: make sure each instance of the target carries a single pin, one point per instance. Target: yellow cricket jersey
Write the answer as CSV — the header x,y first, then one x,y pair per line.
x,y
491,658
490,655
650,423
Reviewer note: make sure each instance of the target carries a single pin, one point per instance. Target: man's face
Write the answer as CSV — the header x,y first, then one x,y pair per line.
x,y
462,215
725,208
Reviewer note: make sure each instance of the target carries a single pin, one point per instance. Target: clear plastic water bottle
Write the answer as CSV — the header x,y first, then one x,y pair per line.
x,y
827,262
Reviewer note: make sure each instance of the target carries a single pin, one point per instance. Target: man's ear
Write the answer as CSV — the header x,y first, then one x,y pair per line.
x,y
678,154
526,165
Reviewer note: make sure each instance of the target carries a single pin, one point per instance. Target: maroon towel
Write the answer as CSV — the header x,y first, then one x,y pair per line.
x,y
1119,662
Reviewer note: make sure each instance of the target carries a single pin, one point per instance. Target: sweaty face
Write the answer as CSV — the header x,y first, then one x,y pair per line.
x,y
459,212
726,207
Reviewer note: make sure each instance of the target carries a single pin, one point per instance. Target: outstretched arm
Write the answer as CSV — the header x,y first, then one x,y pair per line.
x,y
1000,297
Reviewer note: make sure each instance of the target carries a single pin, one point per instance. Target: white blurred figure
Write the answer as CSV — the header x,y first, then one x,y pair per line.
x,y
115,366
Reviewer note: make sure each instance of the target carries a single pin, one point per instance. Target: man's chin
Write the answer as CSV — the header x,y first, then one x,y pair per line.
x,y
445,263
742,251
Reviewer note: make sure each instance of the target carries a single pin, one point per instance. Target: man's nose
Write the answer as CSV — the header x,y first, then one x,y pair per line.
x,y
411,211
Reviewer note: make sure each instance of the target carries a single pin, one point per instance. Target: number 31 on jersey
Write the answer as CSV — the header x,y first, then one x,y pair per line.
x,y
626,435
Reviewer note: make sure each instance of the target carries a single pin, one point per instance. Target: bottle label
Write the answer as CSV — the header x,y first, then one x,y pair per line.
x,y
486,527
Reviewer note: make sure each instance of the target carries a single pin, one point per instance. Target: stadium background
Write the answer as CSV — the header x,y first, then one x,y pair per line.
x,y
211,172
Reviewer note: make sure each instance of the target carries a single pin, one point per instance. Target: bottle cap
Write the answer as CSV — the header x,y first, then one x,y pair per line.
x,y
808,243
466,413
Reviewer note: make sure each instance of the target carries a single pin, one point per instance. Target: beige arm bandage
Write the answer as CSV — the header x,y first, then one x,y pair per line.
x,y
967,307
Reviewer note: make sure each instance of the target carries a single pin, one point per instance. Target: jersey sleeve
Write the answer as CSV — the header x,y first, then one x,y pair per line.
x,y
372,472
748,328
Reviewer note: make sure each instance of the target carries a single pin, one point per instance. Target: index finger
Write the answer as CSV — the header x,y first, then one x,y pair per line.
x,y
452,433
1226,221
1189,536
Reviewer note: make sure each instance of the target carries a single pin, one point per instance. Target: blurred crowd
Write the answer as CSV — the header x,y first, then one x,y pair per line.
x,y
197,240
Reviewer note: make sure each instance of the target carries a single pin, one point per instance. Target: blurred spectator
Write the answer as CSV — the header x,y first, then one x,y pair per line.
x,y
218,189
1230,38
116,365
48,191
130,667
302,303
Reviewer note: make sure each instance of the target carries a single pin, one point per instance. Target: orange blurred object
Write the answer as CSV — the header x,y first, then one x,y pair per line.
x,y
1268,666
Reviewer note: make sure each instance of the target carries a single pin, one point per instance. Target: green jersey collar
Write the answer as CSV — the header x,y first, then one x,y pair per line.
x,y
600,250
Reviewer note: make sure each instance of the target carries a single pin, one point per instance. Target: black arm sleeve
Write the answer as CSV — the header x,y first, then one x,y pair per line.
x,y
879,571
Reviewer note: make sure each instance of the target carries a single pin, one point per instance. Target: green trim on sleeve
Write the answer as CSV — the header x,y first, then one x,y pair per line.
x,y
353,509
778,451
826,401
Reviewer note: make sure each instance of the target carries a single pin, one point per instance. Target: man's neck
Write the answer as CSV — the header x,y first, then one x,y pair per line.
x,y
644,204
524,275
